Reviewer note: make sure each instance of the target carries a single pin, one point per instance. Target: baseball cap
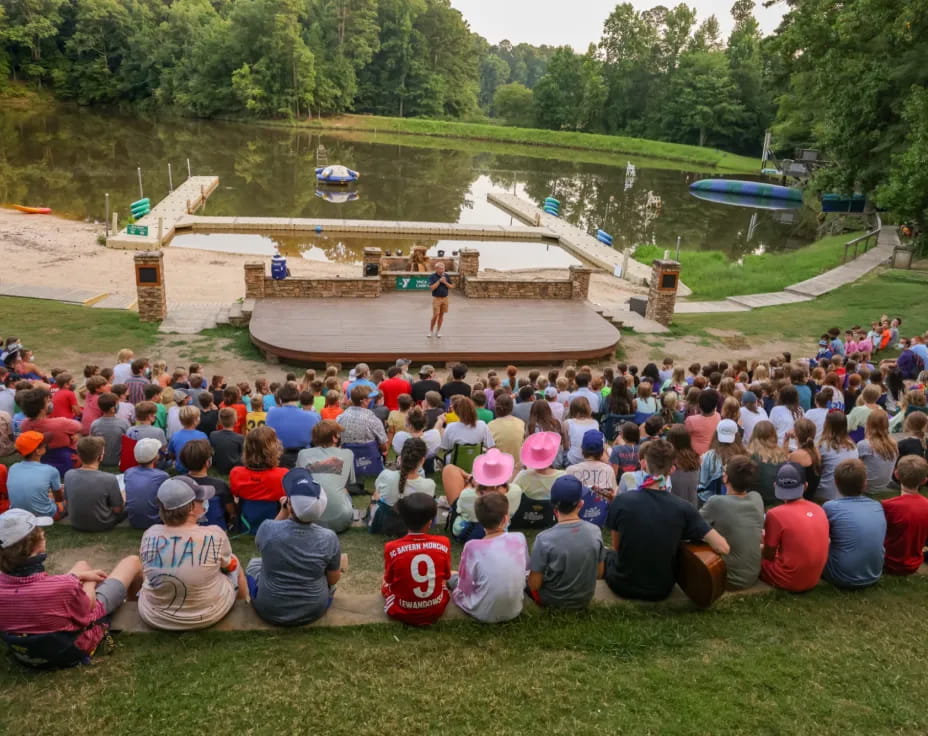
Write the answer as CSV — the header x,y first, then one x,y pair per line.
x,y
180,394
146,450
566,489
551,392
790,482
29,442
16,524
181,490
593,442
727,431
748,397
308,500
403,362
426,370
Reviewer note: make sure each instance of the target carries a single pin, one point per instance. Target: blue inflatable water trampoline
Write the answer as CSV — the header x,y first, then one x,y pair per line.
x,y
336,175
746,188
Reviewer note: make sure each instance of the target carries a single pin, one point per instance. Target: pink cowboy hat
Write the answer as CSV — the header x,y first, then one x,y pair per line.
x,y
539,450
493,468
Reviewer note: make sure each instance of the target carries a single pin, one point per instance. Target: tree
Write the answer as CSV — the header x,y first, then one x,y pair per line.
x,y
708,36
905,191
572,92
704,107
28,33
514,103
494,72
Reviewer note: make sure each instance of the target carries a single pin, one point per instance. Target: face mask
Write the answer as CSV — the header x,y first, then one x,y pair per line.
x,y
205,510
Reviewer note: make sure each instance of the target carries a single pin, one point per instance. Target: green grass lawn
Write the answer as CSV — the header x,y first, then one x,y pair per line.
x,y
712,274
825,662
886,292
48,327
692,156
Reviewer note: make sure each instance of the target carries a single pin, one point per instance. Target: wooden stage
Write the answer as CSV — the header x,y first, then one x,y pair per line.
x,y
395,325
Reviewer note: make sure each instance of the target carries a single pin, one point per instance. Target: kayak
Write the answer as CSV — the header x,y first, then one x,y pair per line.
x,y
32,210
749,188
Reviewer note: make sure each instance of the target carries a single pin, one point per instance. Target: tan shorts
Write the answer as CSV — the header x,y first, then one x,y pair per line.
x,y
439,305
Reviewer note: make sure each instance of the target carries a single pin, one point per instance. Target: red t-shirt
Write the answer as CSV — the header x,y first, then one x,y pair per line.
x,y
64,401
4,496
257,485
58,432
702,430
799,531
391,389
43,604
906,533
241,413
416,568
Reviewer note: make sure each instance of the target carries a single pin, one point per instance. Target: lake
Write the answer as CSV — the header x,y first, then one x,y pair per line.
x,y
67,157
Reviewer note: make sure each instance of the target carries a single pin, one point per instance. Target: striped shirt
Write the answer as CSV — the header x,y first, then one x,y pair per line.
x,y
43,604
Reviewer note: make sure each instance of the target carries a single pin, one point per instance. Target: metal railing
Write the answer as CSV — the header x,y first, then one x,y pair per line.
x,y
867,239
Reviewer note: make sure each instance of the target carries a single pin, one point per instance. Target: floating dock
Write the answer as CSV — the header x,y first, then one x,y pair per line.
x,y
187,198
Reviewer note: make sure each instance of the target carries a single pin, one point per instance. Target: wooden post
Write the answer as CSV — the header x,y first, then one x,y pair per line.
x,y
141,193
106,218
188,168
115,222
170,178
160,230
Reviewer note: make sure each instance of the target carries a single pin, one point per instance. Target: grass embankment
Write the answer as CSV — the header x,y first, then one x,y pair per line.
x,y
820,663
49,328
886,292
694,156
712,274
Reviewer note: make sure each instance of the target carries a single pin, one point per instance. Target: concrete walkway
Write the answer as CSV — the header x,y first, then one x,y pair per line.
x,y
807,290
62,294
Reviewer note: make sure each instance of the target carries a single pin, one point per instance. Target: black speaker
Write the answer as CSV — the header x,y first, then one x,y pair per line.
x,y
372,269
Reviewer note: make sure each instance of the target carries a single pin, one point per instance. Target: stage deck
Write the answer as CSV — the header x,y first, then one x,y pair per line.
x,y
395,325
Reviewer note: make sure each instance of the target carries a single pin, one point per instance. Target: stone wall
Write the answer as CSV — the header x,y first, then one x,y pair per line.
x,y
503,288
258,285
662,299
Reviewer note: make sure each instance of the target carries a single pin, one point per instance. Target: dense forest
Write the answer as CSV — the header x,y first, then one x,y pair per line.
x,y
847,78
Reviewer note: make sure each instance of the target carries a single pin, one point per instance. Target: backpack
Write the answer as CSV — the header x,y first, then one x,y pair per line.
x,y
55,650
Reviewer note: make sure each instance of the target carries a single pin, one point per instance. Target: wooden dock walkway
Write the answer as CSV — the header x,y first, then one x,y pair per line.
x,y
187,198
494,332
574,240
205,223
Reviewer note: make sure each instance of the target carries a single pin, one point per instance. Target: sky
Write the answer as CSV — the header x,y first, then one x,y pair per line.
x,y
580,22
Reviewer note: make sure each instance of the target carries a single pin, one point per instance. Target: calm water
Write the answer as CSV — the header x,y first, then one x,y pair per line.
x,y
69,157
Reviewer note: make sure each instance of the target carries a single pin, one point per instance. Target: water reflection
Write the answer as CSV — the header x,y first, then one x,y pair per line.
x,y
503,255
68,157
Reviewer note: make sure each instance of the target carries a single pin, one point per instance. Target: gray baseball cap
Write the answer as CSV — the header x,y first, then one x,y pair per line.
x,y
426,370
181,490
17,524
790,483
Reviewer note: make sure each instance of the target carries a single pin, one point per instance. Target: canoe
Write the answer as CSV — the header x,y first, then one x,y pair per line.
x,y
32,210
750,188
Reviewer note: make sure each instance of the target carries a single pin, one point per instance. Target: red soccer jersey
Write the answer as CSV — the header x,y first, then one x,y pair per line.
x,y
64,402
391,390
416,568
799,532
906,533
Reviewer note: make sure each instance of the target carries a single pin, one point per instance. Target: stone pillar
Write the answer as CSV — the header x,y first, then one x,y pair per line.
x,y
149,283
372,262
254,281
470,262
580,282
662,296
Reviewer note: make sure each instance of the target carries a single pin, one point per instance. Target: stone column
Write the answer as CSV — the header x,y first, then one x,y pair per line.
x,y
470,262
149,283
254,281
372,257
662,296
580,282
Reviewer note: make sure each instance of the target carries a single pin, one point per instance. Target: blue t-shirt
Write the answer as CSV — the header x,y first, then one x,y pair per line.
x,y
364,382
142,486
857,528
921,351
28,484
293,425
269,402
441,290
805,396
178,440
292,587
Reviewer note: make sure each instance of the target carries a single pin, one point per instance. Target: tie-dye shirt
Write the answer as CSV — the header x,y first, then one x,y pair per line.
x,y
492,577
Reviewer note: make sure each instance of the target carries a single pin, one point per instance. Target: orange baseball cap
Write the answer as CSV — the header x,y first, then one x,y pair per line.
x,y
28,442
